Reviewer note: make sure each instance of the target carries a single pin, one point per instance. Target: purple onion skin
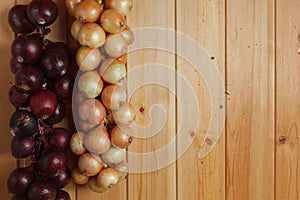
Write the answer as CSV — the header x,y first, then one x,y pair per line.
x,y
42,13
62,195
58,115
52,162
18,98
61,46
41,189
59,139
19,180
43,103
22,147
27,49
18,21
54,63
62,179
29,79
15,65
23,123
63,86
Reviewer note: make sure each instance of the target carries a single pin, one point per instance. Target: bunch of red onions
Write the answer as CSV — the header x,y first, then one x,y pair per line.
x,y
104,114
41,86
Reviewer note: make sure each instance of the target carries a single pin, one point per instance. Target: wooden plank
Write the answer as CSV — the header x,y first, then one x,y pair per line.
x,y
287,104
158,184
7,162
250,107
204,22
6,109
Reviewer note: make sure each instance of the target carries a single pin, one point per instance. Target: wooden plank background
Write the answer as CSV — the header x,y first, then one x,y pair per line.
x,y
254,44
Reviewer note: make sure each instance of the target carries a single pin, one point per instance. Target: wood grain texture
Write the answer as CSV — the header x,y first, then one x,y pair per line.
x,y
204,21
7,79
158,184
258,154
287,100
250,107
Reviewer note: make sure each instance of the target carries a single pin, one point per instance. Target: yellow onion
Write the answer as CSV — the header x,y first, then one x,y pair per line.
x,y
113,96
124,115
91,35
90,83
121,136
107,178
80,97
112,21
113,156
88,11
89,164
95,187
92,111
123,6
76,143
122,82
78,177
112,72
87,58
128,35
115,45
97,141
75,28
122,168
85,126
70,6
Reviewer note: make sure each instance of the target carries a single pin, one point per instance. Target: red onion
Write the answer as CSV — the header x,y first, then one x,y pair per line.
x,y
43,103
19,180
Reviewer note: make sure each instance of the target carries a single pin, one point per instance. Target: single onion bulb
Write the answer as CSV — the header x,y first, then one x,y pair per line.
x,y
78,177
122,6
97,141
75,28
121,136
114,156
115,45
89,164
87,58
76,143
88,11
122,168
112,72
107,178
90,83
95,187
112,21
92,111
91,35
128,35
125,114
71,5
113,96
